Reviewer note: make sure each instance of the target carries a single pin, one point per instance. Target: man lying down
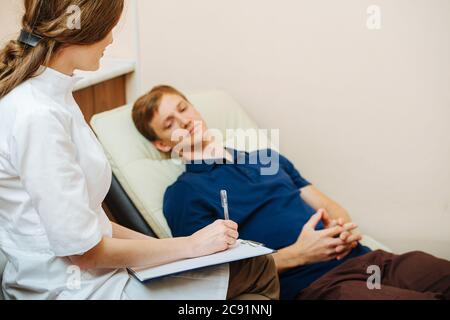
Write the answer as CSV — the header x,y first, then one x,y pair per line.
x,y
319,255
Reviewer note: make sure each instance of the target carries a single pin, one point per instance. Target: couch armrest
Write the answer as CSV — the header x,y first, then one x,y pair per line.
x,y
373,244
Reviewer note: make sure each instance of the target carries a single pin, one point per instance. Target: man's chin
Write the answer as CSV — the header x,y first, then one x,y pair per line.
x,y
182,150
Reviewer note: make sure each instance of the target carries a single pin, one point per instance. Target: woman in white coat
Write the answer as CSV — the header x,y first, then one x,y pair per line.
x,y
54,177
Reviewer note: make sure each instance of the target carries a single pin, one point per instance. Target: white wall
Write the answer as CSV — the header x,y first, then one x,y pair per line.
x,y
10,15
126,45
364,114
125,34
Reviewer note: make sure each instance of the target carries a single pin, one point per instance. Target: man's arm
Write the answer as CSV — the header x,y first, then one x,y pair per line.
x,y
318,200
334,214
313,246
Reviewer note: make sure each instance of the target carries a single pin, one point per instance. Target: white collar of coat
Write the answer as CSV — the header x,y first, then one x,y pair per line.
x,y
55,83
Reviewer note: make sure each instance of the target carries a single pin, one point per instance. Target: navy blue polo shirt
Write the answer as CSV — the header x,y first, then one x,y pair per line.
x,y
267,208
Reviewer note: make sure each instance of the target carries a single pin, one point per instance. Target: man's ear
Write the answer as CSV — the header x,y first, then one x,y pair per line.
x,y
161,146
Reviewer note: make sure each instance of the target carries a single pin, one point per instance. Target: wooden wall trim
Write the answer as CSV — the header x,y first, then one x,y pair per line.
x,y
101,97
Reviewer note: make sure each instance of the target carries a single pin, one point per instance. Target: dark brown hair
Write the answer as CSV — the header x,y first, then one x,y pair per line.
x,y
146,106
49,20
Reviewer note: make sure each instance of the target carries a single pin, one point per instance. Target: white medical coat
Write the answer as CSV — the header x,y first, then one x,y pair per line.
x,y
54,177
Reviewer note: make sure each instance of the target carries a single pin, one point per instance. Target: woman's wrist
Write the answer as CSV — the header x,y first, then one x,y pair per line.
x,y
190,244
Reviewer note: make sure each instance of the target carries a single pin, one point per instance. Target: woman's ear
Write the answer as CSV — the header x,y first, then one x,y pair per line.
x,y
161,146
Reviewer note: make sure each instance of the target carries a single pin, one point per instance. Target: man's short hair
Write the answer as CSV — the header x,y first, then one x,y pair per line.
x,y
146,106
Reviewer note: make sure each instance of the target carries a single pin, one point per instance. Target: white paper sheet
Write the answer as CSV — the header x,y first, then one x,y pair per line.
x,y
241,251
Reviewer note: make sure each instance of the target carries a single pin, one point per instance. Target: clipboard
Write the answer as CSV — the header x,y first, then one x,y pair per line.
x,y
241,251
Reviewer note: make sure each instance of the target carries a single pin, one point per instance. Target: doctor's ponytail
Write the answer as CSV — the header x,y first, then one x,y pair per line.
x,y
18,64
48,19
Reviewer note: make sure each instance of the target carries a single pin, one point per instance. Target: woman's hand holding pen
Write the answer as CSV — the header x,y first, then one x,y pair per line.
x,y
218,236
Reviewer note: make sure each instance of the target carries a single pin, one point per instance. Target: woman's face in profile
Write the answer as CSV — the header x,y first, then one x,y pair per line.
x,y
87,57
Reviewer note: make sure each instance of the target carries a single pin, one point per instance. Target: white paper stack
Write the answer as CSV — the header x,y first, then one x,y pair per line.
x,y
242,250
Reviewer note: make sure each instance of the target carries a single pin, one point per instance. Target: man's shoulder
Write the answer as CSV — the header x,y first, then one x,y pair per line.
x,y
180,187
178,184
266,152
174,195
266,157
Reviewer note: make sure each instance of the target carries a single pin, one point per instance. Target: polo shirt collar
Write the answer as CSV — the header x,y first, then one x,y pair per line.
x,y
199,166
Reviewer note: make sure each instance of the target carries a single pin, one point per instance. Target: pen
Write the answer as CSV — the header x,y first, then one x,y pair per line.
x,y
224,200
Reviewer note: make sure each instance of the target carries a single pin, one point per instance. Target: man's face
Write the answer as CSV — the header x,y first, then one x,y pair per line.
x,y
174,115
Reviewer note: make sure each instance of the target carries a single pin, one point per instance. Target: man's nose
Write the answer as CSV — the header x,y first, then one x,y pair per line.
x,y
185,122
